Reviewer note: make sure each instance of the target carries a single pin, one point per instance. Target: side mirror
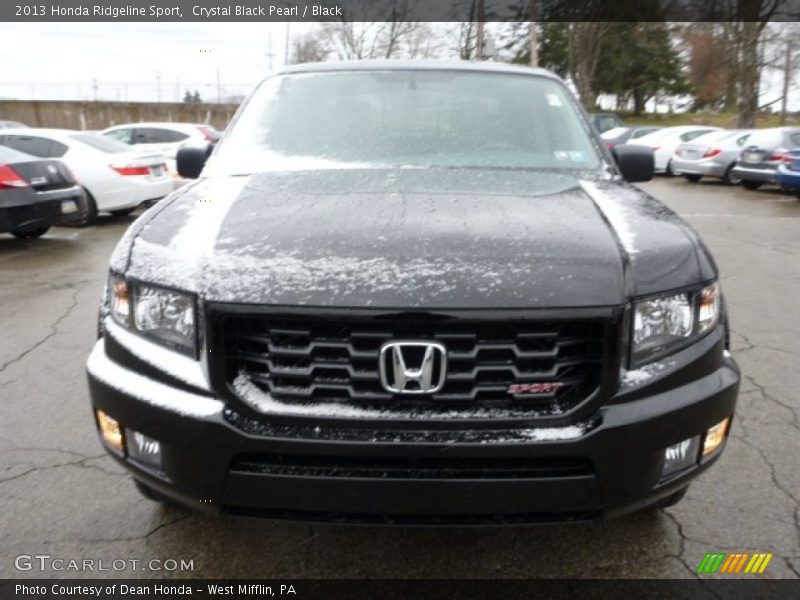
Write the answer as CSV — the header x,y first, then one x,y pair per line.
x,y
636,163
191,159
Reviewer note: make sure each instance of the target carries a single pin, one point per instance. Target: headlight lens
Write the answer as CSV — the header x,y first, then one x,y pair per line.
x,y
119,300
662,325
708,308
164,315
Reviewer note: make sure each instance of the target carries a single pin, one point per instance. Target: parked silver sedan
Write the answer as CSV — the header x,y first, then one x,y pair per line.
x,y
711,155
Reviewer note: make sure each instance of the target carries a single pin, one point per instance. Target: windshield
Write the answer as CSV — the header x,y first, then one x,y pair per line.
x,y
9,155
100,143
406,118
766,138
715,136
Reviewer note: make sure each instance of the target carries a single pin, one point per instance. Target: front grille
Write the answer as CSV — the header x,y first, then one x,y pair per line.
x,y
401,467
311,360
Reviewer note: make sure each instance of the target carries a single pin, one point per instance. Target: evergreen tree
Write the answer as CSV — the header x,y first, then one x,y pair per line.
x,y
638,61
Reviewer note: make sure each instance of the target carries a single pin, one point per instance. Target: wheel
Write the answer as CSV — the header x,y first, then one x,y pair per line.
x,y
669,500
91,210
751,185
122,212
692,178
729,178
31,233
152,494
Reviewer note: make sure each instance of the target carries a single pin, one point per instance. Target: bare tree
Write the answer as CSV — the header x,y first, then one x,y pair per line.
x,y
421,42
309,48
584,52
467,42
747,40
364,31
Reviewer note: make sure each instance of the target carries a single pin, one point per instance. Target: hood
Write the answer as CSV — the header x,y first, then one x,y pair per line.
x,y
405,238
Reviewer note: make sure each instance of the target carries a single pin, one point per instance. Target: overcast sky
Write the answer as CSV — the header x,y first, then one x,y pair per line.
x,y
61,60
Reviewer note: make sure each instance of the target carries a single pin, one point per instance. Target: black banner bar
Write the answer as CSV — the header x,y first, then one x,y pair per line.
x,y
313,589
398,10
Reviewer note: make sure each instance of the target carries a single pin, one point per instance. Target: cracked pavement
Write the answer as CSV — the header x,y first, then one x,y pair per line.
x,y
62,496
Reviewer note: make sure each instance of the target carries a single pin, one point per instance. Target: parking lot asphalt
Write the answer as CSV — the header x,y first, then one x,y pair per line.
x,y
61,496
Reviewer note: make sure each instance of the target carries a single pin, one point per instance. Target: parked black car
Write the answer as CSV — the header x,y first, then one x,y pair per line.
x,y
403,292
37,194
765,149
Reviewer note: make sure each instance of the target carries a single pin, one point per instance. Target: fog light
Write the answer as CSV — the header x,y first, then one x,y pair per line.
x,y
680,456
110,430
715,437
143,449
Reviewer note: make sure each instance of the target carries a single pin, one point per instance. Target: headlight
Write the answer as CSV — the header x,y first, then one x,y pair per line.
x,y
664,324
165,315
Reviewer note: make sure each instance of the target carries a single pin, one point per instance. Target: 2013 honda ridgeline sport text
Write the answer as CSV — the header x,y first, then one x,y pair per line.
x,y
413,293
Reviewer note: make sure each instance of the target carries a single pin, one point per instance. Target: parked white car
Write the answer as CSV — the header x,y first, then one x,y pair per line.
x,y
664,142
164,138
115,177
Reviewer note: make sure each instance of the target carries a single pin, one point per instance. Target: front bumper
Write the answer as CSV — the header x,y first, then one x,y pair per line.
x,y
218,459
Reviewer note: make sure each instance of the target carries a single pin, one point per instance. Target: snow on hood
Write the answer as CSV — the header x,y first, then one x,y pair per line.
x,y
414,238
370,238
617,213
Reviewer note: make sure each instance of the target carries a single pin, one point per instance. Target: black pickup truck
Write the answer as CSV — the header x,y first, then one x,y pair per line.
x,y
413,293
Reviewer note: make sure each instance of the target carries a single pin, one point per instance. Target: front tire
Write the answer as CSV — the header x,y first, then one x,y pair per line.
x,y
91,210
751,185
31,234
729,178
692,178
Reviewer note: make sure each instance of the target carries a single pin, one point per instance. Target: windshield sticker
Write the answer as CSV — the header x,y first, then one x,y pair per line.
x,y
570,155
553,100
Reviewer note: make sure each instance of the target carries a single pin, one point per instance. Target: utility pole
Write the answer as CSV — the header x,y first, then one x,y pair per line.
x,y
286,45
787,77
479,37
269,53
534,33
94,89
